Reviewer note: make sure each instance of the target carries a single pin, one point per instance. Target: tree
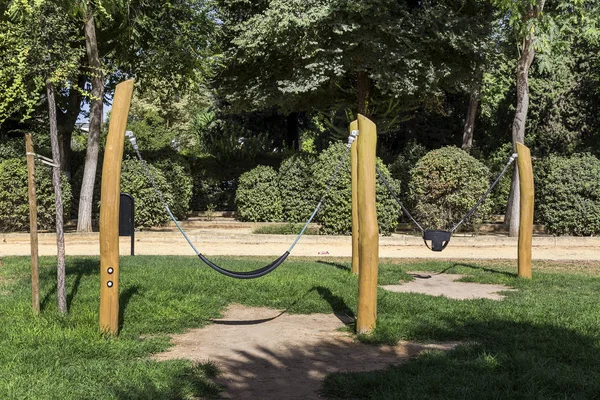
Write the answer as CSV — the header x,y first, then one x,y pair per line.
x,y
153,41
86,197
334,54
45,56
525,18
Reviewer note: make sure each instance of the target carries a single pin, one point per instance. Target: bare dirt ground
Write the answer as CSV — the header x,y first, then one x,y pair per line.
x,y
241,242
267,354
437,284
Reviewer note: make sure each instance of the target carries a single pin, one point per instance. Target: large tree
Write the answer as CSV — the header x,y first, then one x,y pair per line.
x,y
540,27
42,37
298,55
158,43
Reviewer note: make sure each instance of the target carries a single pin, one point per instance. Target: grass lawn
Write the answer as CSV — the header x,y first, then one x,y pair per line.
x,y
541,342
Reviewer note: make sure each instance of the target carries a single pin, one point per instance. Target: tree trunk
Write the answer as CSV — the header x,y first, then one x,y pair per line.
x,y
66,124
469,127
60,235
84,223
363,86
511,218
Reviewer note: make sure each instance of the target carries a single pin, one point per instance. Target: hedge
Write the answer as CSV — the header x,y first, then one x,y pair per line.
x,y
336,213
14,200
297,187
445,184
568,194
258,197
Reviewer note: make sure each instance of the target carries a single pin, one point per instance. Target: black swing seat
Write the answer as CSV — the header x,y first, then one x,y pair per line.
x,y
439,239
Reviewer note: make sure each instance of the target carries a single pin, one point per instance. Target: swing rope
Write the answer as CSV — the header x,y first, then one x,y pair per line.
x,y
439,238
269,267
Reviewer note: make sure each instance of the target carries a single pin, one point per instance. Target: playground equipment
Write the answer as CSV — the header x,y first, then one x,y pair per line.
x,y
365,232
439,238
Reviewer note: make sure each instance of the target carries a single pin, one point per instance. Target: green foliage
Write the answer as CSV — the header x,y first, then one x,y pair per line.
x,y
285,229
149,210
12,148
297,55
445,184
38,40
335,214
297,188
178,176
568,194
404,163
14,200
258,197
496,162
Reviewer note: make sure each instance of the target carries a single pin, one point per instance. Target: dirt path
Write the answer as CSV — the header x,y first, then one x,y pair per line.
x,y
266,354
238,242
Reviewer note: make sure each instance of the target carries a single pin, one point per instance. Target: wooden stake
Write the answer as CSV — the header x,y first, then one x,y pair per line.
x,y
526,213
33,233
109,210
368,241
354,174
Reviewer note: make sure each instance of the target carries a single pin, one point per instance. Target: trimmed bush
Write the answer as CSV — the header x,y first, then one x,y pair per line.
x,y
297,188
445,184
257,197
179,179
149,210
14,201
335,214
12,148
568,194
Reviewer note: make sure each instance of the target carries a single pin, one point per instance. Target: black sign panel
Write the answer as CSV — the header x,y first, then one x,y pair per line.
x,y
126,222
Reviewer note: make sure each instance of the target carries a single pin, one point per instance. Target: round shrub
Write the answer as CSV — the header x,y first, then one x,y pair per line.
x,y
335,214
257,196
445,184
149,211
14,200
297,188
179,179
568,194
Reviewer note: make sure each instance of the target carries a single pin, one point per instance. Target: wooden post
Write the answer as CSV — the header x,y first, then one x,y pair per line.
x,y
526,210
354,174
368,240
109,210
33,233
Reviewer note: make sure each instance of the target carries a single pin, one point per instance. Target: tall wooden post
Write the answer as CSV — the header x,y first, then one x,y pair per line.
x,y
33,233
109,210
526,210
354,175
368,240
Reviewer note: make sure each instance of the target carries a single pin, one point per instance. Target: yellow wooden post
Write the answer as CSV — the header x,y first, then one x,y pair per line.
x,y
354,174
526,210
368,241
109,210
33,233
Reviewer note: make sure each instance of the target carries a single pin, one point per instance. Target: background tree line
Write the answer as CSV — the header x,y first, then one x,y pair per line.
x,y
223,86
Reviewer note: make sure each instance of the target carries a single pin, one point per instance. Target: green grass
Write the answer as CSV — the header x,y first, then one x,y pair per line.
x,y
541,342
285,229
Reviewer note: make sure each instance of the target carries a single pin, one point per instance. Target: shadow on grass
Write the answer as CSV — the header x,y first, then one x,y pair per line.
x,y
490,270
79,268
337,304
193,382
336,265
499,358
124,299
